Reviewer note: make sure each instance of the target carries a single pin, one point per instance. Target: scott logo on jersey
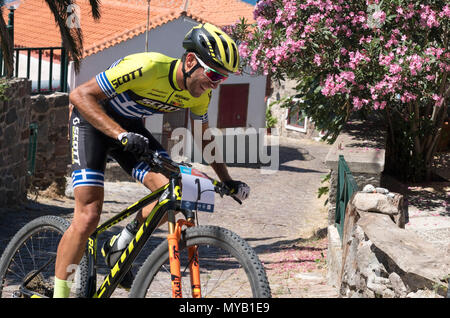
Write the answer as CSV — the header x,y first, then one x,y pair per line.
x,y
157,105
127,77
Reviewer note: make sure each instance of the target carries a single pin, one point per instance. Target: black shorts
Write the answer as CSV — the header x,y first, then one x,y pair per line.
x,y
91,147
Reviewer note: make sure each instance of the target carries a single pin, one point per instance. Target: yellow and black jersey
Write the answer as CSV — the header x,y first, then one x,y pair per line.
x,y
143,84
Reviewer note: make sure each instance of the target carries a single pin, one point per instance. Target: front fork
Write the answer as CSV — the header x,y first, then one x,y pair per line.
x,y
175,268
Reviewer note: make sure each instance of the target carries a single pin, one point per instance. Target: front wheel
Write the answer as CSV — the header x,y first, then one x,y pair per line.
x,y
229,267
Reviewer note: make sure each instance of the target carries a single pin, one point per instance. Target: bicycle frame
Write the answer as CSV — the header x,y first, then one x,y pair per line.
x,y
169,197
169,201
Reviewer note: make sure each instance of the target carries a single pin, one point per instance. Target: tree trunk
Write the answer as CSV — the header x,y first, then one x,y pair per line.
x,y
411,145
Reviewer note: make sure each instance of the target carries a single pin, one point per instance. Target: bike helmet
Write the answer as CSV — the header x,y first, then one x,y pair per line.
x,y
213,46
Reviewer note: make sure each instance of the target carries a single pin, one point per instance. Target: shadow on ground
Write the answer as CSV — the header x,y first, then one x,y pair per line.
x,y
13,219
274,161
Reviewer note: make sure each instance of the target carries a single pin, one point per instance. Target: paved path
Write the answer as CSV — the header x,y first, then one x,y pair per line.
x,y
281,213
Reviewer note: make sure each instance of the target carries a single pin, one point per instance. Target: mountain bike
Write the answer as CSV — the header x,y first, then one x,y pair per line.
x,y
194,260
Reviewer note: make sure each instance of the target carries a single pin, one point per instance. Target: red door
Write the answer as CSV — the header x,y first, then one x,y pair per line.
x,y
233,104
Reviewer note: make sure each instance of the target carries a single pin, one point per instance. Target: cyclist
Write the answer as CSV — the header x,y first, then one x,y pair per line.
x,y
110,107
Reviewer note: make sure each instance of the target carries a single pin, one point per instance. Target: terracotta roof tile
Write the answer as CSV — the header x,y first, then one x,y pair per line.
x,y
120,20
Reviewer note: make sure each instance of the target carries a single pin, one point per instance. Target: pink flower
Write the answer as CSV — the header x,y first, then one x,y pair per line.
x,y
401,50
279,16
359,103
262,22
379,17
244,51
385,59
333,85
428,16
407,97
445,12
317,60
356,58
395,68
437,52
376,105
348,76
290,29
438,100
415,64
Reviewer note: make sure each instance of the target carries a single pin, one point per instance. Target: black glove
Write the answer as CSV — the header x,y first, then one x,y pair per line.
x,y
133,142
238,188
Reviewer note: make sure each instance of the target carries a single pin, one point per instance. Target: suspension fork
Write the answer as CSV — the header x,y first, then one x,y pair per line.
x,y
174,258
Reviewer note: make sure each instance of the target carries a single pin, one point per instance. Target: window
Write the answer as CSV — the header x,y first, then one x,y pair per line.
x,y
296,120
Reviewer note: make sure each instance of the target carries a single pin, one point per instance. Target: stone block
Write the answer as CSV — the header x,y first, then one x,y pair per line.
x,y
10,135
39,104
391,205
61,100
419,263
334,257
397,284
61,116
11,116
375,202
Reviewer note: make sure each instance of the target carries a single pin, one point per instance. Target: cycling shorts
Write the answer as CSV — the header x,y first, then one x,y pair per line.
x,y
91,147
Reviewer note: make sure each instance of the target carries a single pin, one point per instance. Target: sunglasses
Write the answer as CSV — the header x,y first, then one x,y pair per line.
x,y
210,73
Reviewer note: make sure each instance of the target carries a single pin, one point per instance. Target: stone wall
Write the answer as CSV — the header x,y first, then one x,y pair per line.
x,y
14,139
17,112
51,113
379,258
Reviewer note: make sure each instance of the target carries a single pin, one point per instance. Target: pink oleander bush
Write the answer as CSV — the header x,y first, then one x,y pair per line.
x,y
364,58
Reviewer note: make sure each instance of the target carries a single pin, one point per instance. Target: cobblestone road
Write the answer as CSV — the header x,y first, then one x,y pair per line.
x,y
281,213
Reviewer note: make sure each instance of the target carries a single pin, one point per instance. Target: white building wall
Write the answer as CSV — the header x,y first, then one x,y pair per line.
x,y
167,39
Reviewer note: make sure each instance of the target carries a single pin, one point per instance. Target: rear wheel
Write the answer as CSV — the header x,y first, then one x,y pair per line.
x,y
229,267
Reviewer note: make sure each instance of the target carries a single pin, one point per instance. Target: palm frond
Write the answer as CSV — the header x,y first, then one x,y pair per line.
x,y
72,37
95,8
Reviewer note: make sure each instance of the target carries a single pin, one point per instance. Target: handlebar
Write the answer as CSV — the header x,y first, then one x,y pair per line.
x,y
167,166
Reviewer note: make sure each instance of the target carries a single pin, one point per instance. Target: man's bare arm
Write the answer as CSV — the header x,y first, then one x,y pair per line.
x,y
85,98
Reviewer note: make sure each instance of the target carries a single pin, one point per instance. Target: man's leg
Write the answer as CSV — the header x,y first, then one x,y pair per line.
x,y
88,206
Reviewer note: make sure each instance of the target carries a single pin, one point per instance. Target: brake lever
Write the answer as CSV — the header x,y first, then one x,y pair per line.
x,y
236,199
185,164
222,192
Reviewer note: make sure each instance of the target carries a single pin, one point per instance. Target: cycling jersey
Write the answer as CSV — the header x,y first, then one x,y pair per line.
x,y
91,147
137,86
143,84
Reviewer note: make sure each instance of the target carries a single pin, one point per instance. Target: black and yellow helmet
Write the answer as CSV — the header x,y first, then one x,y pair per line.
x,y
213,46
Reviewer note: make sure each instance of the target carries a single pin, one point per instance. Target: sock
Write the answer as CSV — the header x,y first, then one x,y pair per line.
x,y
62,288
